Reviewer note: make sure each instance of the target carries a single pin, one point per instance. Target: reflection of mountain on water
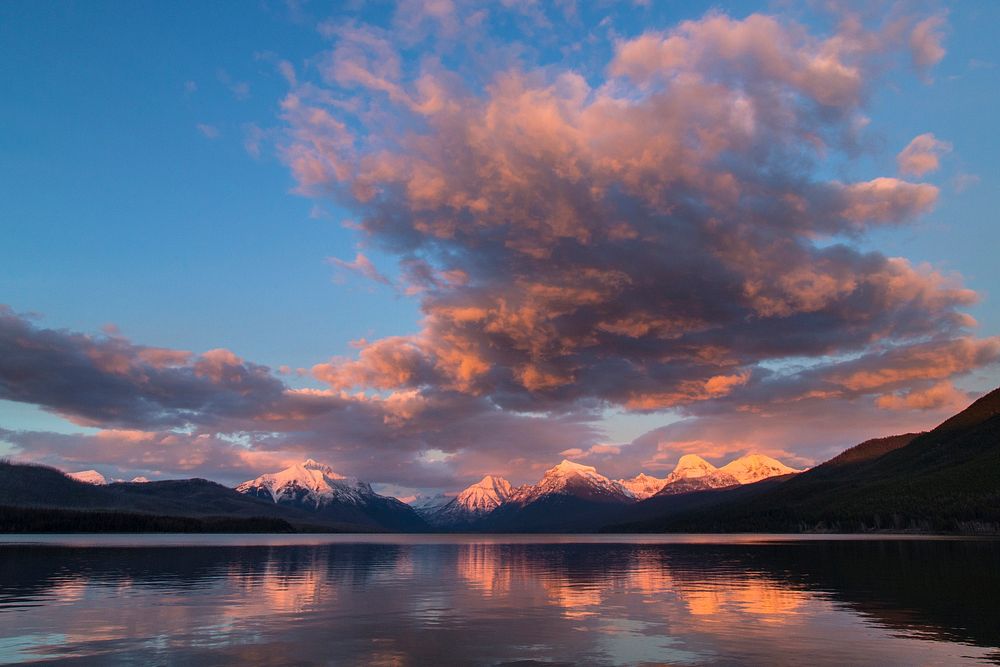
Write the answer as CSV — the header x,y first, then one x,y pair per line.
x,y
529,593
30,571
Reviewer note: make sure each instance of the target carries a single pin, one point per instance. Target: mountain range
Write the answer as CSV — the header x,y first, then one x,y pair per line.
x,y
943,480
573,496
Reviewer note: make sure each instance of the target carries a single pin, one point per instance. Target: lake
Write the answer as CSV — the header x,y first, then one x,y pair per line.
x,y
439,600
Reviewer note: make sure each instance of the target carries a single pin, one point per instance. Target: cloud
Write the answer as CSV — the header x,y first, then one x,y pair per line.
x,y
963,182
239,89
925,42
110,382
943,394
594,451
922,155
655,240
363,266
208,131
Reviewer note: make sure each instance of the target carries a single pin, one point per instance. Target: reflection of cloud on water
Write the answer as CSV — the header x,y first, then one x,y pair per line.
x,y
576,600
492,570
764,600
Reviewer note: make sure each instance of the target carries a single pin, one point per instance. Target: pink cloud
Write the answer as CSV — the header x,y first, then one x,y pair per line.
x,y
925,42
941,395
922,155
621,243
363,266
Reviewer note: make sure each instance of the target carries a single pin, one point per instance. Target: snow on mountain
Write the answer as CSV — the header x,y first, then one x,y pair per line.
x,y
88,477
473,502
691,466
139,480
308,483
573,479
425,504
485,495
755,467
317,488
693,473
643,486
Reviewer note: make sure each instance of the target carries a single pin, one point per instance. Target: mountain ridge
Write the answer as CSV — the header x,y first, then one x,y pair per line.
x,y
315,487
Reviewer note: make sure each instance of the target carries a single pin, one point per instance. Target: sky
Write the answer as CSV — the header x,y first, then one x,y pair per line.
x,y
427,241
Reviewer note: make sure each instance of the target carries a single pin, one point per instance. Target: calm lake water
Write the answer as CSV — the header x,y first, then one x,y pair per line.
x,y
437,600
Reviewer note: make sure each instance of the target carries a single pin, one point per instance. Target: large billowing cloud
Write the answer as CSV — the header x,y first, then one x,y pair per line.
x,y
659,238
663,233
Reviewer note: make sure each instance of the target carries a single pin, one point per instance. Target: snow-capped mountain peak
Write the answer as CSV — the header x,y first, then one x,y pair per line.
x,y
88,477
429,503
485,495
316,487
755,467
643,486
693,473
572,478
310,464
311,482
566,468
692,465
473,502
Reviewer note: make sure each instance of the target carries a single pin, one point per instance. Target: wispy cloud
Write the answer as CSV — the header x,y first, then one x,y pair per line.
x,y
208,131
362,266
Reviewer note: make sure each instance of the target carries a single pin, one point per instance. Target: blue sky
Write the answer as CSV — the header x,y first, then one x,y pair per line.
x,y
143,187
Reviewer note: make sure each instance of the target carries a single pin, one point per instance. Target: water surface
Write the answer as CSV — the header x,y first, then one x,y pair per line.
x,y
399,599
